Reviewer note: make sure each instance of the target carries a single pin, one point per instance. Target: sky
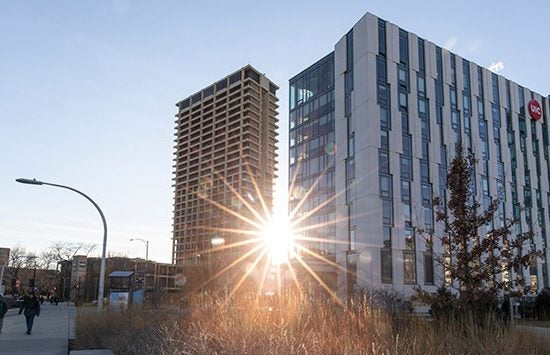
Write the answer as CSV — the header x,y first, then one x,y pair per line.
x,y
88,92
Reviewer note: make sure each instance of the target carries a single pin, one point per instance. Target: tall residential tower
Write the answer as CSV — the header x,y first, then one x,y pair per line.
x,y
226,140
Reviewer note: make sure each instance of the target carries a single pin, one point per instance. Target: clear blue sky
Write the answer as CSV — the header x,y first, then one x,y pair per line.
x,y
87,92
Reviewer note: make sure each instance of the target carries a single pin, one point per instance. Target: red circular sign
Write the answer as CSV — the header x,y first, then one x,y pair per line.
x,y
534,110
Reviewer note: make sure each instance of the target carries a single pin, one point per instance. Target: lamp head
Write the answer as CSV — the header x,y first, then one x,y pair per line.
x,y
29,181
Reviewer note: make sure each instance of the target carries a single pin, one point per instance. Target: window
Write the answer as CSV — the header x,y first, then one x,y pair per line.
x,y
402,76
381,70
403,100
424,170
386,266
385,186
407,213
352,238
403,47
407,145
409,268
422,106
249,73
382,37
428,268
405,191
351,145
383,162
234,78
386,236
405,122
406,168
421,56
427,194
421,83
385,121
384,140
351,168
383,95
387,212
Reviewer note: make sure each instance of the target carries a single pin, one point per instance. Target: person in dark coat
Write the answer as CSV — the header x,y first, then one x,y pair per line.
x,y
31,305
3,311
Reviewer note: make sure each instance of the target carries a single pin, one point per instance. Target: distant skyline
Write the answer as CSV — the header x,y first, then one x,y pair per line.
x,y
88,93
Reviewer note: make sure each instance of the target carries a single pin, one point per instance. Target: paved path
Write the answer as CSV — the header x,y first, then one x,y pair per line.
x,y
50,333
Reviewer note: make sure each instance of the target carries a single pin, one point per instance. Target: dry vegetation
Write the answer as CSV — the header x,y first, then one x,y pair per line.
x,y
293,326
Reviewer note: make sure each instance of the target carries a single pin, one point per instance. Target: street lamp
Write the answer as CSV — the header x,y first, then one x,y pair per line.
x,y
102,269
146,242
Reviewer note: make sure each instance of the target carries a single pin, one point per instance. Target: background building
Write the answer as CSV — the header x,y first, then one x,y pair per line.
x,y
225,139
154,278
401,106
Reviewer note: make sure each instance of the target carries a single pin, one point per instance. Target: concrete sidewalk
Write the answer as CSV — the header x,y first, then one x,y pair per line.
x,y
50,334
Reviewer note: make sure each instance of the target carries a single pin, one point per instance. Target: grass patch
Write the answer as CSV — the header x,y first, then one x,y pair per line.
x,y
295,324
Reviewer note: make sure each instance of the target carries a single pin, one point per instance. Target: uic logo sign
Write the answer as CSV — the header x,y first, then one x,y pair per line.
x,y
535,111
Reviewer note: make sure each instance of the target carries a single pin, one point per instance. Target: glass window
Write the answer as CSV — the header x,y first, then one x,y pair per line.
x,y
351,145
428,268
405,122
403,47
383,161
386,266
421,83
421,56
382,37
406,168
403,100
385,186
381,70
387,212
424,170
407,145
385,122
402,75
407,213
427,194
428,217
405,191
384,140
409,268
386,236
383,95
351,168
422,103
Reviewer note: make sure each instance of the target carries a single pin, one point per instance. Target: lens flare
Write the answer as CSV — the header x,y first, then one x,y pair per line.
x,y
264,241
279,238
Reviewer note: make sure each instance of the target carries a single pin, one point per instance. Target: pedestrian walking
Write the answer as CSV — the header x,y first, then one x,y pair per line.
x,y
31,305
3,311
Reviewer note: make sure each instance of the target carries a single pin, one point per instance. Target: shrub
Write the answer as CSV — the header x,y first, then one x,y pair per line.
x,y
292,324
542,305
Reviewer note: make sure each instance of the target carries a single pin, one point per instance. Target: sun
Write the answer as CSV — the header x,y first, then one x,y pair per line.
x,y
271,240
279,239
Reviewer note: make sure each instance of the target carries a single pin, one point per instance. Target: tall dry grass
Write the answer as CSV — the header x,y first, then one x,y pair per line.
x,y
294,325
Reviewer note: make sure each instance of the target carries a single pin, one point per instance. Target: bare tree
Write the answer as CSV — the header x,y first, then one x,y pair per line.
x,y
61,251
17,261
477,251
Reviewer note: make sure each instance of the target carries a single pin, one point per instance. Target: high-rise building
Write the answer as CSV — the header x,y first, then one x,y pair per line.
x,y
401,106
226,140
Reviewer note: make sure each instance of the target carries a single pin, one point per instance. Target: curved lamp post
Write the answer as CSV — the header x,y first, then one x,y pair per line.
x,y
146,242
102,269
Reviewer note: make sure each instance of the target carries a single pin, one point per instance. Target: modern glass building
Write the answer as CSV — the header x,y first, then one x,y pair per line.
x,y
400,105
311,154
